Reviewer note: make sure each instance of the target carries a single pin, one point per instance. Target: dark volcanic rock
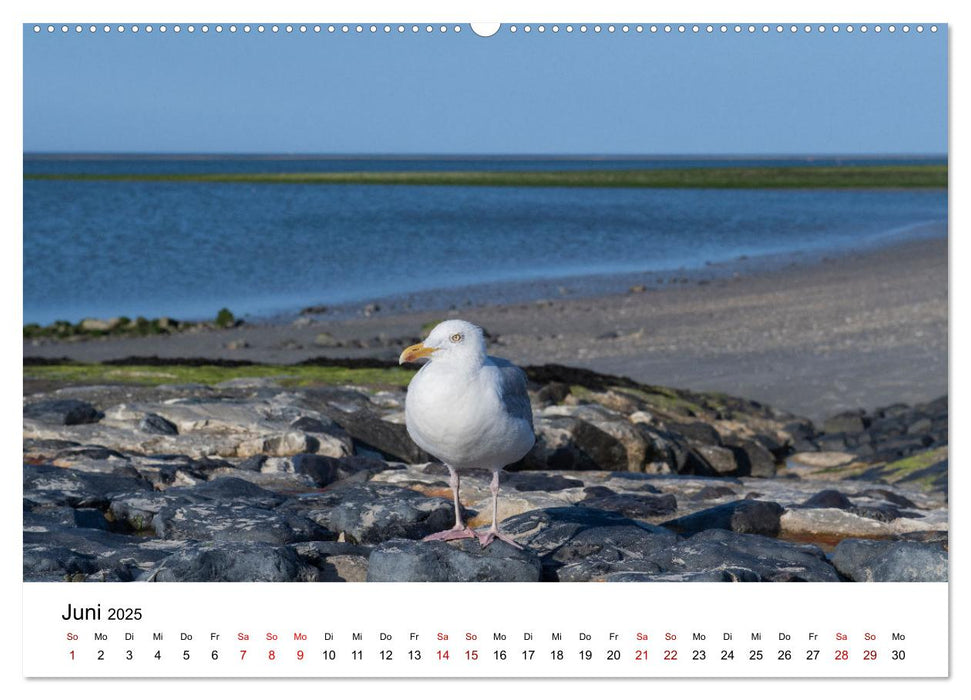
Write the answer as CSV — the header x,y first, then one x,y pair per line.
x,y
709,493
391,439
335,561
372,513
154,423
828,498
322,470
846,422
720,459
697,432
603,450
871,560
53,563
139,510
583,544
58,552
529,481
889,496
228,489
46,485
64,516
63,412
726,575
769,559
745,516
233,561
327,470
637,506
230,522
753,459
460,560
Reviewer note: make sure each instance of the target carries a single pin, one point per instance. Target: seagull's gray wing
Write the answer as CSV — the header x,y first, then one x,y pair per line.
x,y
512,389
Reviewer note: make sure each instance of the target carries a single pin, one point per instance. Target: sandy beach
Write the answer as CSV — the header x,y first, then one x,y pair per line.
x,y
858,331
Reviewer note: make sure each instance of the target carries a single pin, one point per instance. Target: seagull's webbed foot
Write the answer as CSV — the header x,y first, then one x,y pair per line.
x,y
486,538
459,532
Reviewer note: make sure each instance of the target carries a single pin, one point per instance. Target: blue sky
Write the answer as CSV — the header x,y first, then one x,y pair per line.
x,y
507,94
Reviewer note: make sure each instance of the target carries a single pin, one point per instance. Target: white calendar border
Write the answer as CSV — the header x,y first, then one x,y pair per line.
x,y
566,10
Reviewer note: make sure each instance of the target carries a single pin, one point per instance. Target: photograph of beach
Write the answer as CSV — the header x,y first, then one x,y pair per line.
x,y
720,263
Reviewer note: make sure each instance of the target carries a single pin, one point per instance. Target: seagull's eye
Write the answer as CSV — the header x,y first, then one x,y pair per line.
x,y
456,338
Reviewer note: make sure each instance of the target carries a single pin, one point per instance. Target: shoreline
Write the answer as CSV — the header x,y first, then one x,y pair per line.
x,y
861,330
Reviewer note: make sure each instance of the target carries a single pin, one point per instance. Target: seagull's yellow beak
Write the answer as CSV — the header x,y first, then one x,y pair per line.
x,y
415,352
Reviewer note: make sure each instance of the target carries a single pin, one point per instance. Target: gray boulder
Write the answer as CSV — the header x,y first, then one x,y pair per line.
x,y
232,561
371,512
747,516
62,412
460,560
874,560
769,559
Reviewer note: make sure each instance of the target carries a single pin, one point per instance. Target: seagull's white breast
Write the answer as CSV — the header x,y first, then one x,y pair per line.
x,y
458,416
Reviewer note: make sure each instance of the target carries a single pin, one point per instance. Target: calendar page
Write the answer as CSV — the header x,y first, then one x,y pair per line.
x,y
430,348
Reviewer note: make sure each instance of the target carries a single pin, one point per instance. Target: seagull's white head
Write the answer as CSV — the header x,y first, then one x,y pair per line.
x,y
449,341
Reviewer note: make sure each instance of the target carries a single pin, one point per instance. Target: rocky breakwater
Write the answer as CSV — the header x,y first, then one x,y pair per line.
x,y
252,480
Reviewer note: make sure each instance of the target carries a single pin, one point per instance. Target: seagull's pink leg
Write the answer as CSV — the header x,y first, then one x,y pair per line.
x,y
485,538
460,530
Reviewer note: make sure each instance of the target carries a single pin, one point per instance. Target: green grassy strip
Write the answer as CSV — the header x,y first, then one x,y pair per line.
x,y
802,177
207,374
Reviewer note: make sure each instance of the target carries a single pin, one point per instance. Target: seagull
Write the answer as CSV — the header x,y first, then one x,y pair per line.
x,y
470,410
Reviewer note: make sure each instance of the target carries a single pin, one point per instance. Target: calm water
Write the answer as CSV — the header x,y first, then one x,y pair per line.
x,y
187,249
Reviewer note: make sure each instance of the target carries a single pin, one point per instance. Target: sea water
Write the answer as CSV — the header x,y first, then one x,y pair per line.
x,y
187,249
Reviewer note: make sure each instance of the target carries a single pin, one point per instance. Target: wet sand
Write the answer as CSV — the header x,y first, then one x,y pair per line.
x,y
859,331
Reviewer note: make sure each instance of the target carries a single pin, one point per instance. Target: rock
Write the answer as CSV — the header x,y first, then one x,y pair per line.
x,y
696,432
709,493
371,513
552,393
769,559
919,426
753,459
232,561
139,511
745,516
326,340
62,412
291,442
531,481
846,422
89,325
867,560
154,423
725,575
821,460
888,496
390,439
45,485
583,544
253,463
637,507
335,561
43,519
321,470
308,424
829,498
230,522
720,459
460,560
44,562
65,553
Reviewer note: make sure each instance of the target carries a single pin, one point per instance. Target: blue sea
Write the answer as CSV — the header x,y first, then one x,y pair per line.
x,y
185,250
